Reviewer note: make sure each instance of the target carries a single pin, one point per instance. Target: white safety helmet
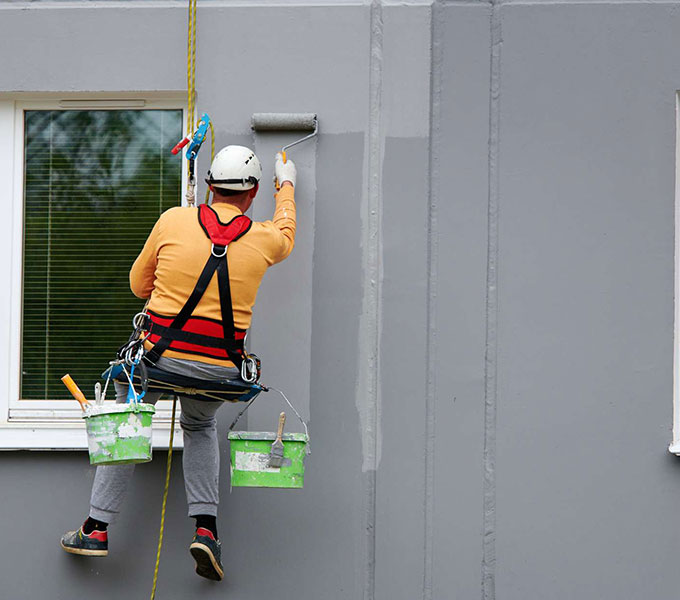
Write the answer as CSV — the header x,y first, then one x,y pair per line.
x,y
235,168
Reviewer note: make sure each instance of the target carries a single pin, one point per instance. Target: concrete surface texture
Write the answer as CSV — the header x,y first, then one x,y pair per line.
x,y
479,312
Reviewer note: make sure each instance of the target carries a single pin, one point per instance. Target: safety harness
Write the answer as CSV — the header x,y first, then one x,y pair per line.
x,y
199,335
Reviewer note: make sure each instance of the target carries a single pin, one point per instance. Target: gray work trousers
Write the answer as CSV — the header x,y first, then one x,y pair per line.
x,y
200,460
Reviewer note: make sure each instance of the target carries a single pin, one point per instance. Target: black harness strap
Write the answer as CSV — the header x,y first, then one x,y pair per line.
x,y
225,300
217,263
181,319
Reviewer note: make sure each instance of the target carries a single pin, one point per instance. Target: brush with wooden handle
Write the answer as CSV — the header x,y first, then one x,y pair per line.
x,y
276,453
75,391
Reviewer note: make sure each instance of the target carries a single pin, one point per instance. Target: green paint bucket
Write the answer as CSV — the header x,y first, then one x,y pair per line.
x,y
119,434
250,457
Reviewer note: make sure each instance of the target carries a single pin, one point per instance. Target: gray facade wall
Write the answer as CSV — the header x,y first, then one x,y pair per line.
x,y
482,295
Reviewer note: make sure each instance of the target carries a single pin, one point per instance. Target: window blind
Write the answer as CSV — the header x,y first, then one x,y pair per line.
x,y
95,183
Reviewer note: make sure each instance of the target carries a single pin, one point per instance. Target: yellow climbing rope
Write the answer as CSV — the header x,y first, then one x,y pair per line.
x,y
191,83
165,498
191,66
191,93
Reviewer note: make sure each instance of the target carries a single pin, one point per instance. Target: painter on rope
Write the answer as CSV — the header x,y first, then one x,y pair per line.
x,y
166,273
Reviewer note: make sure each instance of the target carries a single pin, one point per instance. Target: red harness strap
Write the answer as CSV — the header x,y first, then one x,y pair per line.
x,y
206,341
198,335
222,234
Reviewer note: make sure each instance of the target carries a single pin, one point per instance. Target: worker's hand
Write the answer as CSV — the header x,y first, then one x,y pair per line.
x,y
284,171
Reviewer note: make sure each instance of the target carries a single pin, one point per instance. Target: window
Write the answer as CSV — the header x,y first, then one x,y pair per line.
x,y
90,179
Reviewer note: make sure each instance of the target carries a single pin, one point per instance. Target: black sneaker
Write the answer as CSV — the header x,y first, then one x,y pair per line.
x,y
94,544
207,551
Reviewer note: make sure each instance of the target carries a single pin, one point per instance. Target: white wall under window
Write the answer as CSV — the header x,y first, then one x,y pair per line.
x,y
45,424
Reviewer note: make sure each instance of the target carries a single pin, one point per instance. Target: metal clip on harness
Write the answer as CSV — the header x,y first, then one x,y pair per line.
x,y
132,353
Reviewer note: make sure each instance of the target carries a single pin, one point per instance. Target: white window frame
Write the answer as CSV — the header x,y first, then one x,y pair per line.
x,y
675,444
48,425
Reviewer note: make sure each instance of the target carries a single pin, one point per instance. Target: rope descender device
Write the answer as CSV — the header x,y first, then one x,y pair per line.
x,y
194,141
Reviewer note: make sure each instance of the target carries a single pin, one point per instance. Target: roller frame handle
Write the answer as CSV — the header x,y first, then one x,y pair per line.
x,y
277,183
284,157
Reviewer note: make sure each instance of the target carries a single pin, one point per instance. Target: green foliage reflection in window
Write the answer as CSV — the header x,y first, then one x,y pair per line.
x,y
95,183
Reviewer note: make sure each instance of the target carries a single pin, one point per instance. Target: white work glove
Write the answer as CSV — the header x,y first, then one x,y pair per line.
x,y
284,171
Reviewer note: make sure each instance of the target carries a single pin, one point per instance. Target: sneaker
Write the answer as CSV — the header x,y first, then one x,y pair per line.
x,y
207,551
94,544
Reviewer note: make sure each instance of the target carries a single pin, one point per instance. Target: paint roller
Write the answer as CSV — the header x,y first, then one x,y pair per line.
x,y
286,122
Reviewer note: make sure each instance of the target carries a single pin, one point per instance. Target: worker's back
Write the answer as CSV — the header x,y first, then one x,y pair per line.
x,y
177,249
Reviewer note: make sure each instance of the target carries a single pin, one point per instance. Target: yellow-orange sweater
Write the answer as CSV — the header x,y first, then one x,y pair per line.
x,y
177,249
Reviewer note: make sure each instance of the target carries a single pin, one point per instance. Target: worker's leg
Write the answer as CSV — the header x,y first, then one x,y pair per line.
x,y
108,492
111,481
201,462
201,457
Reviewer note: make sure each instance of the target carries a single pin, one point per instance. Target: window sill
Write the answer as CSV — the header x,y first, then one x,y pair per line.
x,y
69,435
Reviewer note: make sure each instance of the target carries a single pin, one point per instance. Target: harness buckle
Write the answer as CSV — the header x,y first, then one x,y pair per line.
x,y
212,251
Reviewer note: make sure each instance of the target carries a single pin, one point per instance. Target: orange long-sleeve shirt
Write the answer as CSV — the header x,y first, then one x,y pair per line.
x,y
177,249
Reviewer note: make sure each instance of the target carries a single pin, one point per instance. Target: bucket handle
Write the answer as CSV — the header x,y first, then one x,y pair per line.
x,y
297,414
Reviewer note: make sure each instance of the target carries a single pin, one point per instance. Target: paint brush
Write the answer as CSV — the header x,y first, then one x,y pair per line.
x,y
276,453
75,391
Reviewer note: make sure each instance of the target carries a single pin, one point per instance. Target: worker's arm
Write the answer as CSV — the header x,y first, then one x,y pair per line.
x,y
284,221
284,214
143,272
